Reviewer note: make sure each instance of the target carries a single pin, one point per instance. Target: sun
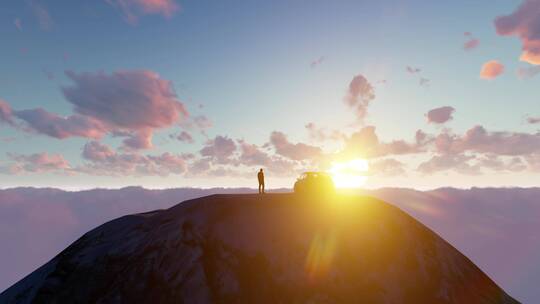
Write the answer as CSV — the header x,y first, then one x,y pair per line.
x,y
351,174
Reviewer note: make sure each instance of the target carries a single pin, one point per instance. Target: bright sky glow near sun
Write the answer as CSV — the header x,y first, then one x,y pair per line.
x,y
176,93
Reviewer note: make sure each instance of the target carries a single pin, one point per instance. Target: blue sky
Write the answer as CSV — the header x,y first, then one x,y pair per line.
x,y
246,67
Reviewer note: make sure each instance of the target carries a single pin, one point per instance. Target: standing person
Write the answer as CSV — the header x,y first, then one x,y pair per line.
x,y
260,177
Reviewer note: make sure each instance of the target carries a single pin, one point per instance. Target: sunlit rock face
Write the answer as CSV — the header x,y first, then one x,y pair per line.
x,y
274,248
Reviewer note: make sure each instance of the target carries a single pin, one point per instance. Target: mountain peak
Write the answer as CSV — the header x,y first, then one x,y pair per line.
x,y
272,248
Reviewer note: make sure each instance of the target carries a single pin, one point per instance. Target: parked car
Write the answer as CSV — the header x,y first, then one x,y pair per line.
x,y
314,183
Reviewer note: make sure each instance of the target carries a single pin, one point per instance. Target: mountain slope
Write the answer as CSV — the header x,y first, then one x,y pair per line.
x,y
276,248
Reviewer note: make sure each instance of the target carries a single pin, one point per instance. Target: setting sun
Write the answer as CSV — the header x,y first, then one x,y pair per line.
x,y
351,174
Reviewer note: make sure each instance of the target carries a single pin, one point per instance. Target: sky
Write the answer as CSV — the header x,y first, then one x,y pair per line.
x,y
178,93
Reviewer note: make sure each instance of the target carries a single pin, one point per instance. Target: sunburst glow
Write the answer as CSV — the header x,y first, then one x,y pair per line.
x,y
351,174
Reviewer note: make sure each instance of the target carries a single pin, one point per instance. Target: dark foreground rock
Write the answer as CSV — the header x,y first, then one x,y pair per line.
x,y
274,248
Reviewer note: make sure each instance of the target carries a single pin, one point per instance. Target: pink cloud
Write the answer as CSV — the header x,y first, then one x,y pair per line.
x,y
478,139
491,70
503,143
37,163
251,155
42,15
533,120
18,24
412,70
6,113
298,151
440,115
104,161
130,104
125,99
132,9
96,151
140,139
135,101
359,96
221,148
455,162
317,62
471,43
421,138
322,134
424,82
387,167
184,137
524,23
528,72
365,143
43,122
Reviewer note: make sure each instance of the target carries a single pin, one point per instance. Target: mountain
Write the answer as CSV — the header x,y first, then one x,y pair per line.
x,y
274,248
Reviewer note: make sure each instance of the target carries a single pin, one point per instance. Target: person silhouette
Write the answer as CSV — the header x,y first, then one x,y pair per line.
x,y
260,177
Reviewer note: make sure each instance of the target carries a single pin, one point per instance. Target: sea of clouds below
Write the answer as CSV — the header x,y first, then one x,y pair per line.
x,y
497,228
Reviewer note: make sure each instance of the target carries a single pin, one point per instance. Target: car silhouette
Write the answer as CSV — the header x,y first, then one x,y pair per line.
x,y
314,183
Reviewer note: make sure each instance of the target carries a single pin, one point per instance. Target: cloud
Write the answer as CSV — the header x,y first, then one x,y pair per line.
x,y
35,163
133,9
528,72
471,42
424,82
524,23
533,120
322,134
42,15
479,140
126,99
96,151
200,122
497,163
298,151
455,162
472,164
48,74
18,23
440,115
491,69
6,113
141,139
221,149
533,162
387,167
359,96
134,101
421,138
365,143
412,70
104,161
251,155
130,104
184,137
317,62
43,122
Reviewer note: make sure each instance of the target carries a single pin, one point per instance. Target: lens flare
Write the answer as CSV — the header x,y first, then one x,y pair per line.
x,y
321,254
351,174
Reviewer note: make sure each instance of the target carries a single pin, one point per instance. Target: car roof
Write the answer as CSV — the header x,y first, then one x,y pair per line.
x,y
315,173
